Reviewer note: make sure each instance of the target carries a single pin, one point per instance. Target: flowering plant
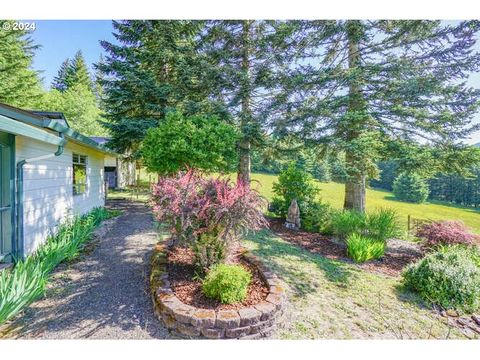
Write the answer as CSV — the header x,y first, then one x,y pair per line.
x,y
193,205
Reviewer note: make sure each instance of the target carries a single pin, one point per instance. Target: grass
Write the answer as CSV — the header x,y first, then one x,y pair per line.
x,y
333,193
330,299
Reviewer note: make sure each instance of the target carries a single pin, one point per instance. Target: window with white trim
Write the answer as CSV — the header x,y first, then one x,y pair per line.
x,y
79,174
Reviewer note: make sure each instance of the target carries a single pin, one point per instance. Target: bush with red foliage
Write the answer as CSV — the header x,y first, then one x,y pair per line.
x,y
445,233
192,205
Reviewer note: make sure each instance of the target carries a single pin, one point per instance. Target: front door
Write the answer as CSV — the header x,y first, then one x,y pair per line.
x,y
6,196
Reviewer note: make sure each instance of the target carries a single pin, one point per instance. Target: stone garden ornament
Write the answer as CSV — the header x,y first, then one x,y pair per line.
x,y
293,216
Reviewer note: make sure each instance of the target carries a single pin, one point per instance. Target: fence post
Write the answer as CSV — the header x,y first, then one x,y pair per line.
x,y
409,224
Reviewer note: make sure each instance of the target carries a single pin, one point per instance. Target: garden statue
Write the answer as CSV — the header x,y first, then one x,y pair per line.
x,y
293,216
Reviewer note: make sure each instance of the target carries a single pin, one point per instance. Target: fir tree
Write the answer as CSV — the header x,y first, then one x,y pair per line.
x,y
63,76
374,90
153,70
245,57
19,83
72,72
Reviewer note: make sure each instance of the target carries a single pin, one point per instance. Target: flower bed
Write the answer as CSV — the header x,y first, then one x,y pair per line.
x,y
252,321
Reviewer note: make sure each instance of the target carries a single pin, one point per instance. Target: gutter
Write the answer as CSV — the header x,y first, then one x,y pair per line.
x,y
19,245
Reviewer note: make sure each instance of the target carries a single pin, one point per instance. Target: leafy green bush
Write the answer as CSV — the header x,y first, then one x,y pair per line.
x,y
26,281
383,224
347,222
317,217
379,225
180,142
362,248
450,278
227,283
293,183
411,188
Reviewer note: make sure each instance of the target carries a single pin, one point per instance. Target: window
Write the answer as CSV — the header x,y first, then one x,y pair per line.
x,y
79,174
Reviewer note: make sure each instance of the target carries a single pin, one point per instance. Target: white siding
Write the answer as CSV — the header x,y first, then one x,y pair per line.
x,y
48,193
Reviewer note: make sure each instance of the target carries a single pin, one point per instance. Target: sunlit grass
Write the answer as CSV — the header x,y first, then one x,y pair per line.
x,y
333,193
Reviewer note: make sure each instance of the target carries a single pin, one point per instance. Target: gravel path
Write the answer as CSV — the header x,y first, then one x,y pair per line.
x,y
106,294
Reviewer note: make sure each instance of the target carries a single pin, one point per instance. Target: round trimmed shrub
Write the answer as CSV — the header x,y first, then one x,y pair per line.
x,y
449,278
227,283
411,188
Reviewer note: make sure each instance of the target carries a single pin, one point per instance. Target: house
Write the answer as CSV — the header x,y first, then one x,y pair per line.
x,y
47,171
120,171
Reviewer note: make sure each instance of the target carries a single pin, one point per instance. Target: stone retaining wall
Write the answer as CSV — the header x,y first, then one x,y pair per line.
x,y
253,322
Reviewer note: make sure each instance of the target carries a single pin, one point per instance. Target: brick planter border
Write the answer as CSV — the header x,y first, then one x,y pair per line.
x,y
186,321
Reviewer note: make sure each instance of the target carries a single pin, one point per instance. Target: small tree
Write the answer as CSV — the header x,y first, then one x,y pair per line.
x,y
293,183
197,142
410,187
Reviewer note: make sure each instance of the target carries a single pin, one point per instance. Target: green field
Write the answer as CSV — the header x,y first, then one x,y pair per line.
x,y
333,194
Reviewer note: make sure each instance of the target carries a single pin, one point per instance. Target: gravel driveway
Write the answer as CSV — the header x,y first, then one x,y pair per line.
x,y
105,295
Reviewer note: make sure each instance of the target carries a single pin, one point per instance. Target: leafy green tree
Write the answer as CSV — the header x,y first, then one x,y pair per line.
x,y
373,89
293,183
19,83
245,57
180,142
410,187
79,105
156,68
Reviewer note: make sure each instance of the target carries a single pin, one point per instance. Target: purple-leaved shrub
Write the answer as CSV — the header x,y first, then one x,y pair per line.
x,y
445,233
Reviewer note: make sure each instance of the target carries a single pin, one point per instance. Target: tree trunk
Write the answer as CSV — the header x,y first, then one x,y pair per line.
x,y
354,189
244,144
355,183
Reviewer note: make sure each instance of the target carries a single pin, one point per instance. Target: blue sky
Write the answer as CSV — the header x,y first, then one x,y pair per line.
x,y
61,39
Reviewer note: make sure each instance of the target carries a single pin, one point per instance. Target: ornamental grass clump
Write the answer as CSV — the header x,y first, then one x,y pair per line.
x,y
449,278
361,248
439,233
213,212
227,283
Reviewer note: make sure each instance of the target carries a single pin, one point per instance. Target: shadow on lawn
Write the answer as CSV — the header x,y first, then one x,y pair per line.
x,y
270,246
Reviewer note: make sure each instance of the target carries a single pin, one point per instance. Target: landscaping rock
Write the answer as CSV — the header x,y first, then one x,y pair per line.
x,y
227,319
203,318
183,313
476,318
276,300
237,332
451,312
266,308
213,333
257,328
249,316
188,330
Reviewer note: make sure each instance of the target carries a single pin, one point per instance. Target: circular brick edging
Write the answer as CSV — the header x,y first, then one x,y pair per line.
x,y
253,322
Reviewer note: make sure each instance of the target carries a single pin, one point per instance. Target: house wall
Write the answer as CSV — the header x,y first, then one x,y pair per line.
x,y
48,193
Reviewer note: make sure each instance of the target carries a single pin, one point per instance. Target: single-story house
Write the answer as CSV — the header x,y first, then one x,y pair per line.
x,y
47,172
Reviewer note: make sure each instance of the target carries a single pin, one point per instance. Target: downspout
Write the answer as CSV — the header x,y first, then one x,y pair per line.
x,y
20,244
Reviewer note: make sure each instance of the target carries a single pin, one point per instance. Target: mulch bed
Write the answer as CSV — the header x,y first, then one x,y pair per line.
x,y
391,264
181,272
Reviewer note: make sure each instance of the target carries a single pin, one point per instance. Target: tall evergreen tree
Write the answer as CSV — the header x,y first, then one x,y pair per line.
x,y
375,89
73,72
245,57
19,83
154,70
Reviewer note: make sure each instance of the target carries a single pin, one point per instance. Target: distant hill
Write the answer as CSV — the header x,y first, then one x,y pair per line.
x,y
477,144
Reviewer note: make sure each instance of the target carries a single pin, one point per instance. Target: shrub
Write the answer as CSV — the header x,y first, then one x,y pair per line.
x,y
179,142
410,188
227,283
317,217
347,222
192,205
293,183
383,224
449,277
379,225
445,233
26,282
361,248
209,250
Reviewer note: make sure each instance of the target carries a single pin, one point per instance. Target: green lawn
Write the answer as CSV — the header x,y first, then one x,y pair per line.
x,y
334,192
330,299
